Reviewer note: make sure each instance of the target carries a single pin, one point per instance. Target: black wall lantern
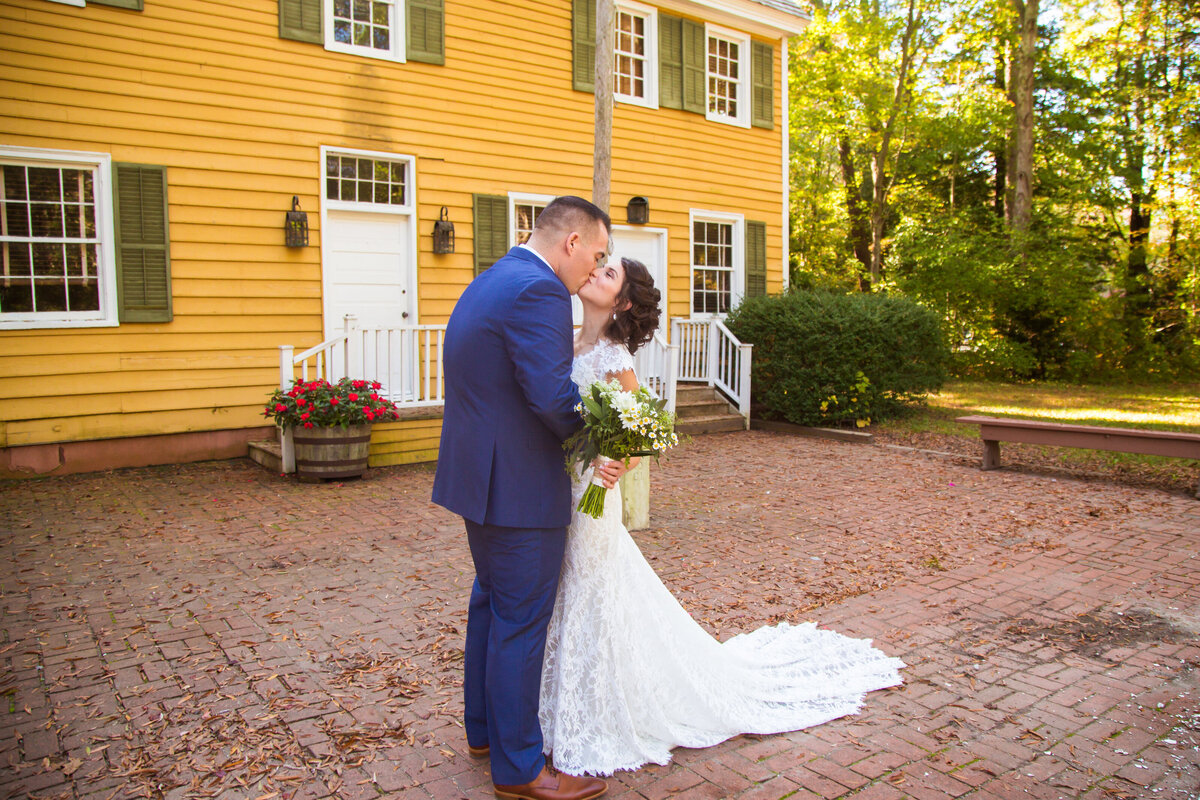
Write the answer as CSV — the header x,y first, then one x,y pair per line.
x,y
443,234
295,229
638,211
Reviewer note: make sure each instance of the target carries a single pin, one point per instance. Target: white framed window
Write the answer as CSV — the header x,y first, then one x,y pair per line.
x,y
372,28
718,261
368,181
727,72
635,56
57,245
523,211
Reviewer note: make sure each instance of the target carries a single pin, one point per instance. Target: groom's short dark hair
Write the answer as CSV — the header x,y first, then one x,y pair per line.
x,y
569,213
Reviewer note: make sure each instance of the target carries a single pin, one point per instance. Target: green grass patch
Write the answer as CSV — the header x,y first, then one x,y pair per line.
x,y
1148,407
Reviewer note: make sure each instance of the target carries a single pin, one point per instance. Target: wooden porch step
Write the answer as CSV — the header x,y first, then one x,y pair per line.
x,y
699,409
694,426
268,453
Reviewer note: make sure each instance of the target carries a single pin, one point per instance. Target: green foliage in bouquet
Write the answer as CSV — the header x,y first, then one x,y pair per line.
x,y
618,425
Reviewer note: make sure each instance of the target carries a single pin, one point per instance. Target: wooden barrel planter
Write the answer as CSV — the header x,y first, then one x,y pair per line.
x,y
332,452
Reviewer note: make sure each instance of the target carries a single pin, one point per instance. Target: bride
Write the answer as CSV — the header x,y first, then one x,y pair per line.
x,y
628,674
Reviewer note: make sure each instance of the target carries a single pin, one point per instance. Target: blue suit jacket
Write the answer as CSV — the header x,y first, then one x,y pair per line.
x,y
510,402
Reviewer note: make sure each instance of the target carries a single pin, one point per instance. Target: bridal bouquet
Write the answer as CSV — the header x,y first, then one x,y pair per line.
x,y
617,425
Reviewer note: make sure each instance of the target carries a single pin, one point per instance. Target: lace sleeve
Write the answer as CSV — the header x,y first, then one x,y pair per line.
x,y
615,358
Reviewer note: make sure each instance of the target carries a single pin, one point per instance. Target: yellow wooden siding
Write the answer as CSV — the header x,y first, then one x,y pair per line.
x,y
404,442
238,116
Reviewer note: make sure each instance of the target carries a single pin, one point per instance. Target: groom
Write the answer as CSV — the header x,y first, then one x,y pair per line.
x,y
510,404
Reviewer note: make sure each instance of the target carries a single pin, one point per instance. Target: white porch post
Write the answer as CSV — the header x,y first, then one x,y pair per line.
x,y
672,388
352,354
712,358
287,449
744,353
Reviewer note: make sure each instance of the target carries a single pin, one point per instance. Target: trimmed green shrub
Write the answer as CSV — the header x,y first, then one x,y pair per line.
x,y
829,359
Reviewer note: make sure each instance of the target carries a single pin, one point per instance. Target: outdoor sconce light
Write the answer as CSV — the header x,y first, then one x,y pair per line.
x,y
638,211
295,229
443,234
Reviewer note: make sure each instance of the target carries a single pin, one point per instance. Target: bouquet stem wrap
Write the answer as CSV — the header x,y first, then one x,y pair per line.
x,y
592,502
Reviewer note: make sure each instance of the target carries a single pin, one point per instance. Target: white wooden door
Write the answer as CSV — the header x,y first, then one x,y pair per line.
x,y
369,273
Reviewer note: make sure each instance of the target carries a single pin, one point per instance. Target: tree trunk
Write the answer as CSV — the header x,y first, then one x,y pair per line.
x,y
1026,59
602,155
1000,154
860,230
881,181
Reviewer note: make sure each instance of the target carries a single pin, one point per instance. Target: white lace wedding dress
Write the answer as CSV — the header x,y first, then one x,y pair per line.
x,y
628,674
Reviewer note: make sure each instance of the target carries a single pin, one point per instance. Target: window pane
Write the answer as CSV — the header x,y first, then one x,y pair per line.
x,y
16,297
362,35
47,219
397,172
381,193
49,296
83,295
16,258
48,259
341,8
43,184
14,182
72,178
341,31
16,216
383,39
379,14
331,165
362,10
348,165
74,259
331,188
365,195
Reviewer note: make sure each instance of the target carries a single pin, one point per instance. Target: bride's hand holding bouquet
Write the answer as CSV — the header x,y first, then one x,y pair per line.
x,y
618,425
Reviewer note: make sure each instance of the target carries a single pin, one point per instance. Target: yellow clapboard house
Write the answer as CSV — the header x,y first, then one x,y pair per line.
x,y
152,149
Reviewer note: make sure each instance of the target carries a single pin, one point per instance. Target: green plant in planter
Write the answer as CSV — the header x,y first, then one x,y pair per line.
x,y
321,404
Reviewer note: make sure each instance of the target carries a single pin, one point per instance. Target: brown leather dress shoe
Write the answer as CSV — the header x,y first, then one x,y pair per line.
x,y
554,786
479,752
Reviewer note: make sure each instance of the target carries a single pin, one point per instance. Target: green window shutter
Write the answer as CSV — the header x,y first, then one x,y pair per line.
x,y
756,258
491,229
143,246
695,56
301,20
670,61
583,41
132,5
426,31
762,92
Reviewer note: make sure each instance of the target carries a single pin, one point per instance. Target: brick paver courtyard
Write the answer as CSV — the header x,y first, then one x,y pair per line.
x,y
215,630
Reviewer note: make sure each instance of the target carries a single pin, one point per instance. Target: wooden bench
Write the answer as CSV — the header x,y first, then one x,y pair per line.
x,y
994,430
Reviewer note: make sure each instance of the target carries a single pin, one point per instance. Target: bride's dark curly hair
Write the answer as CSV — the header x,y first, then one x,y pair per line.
x,y
635,326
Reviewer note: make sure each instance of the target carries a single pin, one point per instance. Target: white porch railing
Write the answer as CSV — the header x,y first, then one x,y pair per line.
x,y
408,362
709,352
656,364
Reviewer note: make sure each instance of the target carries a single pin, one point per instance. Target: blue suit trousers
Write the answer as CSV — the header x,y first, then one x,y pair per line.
x,y
516,580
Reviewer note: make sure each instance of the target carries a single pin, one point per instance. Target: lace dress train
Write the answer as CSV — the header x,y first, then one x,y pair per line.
x,y
628,674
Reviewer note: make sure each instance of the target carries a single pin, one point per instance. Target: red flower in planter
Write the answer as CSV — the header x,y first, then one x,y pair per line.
x,y
320,404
